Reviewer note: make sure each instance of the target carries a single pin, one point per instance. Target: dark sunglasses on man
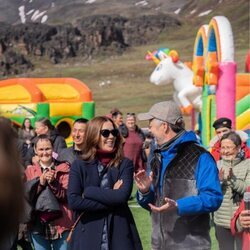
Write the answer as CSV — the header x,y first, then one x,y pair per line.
x,y
106,132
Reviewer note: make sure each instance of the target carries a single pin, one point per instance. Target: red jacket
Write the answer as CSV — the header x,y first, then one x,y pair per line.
x,y
245,235
59,188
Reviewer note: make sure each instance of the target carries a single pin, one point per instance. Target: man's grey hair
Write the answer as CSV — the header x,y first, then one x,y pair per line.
x,y
177,127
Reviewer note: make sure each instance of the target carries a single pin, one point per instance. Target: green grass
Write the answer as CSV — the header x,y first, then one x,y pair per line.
x,y
143,223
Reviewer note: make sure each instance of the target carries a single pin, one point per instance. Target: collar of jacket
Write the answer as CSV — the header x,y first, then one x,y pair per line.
x,y
232,162
169,143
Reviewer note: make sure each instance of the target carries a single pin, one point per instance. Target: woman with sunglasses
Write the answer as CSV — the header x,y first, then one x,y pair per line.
x,y
234,174
99,188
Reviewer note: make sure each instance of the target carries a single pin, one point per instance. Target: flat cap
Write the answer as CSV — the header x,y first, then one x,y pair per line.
x,y
167,111
222,122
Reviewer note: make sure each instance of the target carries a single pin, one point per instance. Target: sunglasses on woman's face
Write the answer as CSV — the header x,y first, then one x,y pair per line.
x,y
106,132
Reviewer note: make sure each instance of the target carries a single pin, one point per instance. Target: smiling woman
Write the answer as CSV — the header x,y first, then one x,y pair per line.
x,y
235,178
99,189
46,185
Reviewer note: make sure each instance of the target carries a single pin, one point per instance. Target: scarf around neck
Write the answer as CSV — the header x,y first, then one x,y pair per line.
x,y
105,156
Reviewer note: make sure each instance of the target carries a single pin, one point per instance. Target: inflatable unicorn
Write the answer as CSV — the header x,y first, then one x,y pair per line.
x,y
170,70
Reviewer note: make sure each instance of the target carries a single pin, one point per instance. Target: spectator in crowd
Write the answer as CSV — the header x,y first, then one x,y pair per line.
x,y
26,133
133,145
46,185
11,188
43,126
99,187
149,146
234,175
183,186
117,117
222,126
240,224
78,133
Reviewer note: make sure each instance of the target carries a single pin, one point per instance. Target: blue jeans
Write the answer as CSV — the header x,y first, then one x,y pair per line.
x,y
42,244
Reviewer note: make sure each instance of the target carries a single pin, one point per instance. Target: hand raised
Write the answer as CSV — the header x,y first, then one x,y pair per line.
x,y
143,181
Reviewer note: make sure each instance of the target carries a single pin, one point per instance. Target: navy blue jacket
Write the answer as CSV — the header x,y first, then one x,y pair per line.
x,y
98,204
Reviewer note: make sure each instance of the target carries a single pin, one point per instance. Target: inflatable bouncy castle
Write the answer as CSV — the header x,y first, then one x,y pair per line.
x,y
212,86
224,92
62,100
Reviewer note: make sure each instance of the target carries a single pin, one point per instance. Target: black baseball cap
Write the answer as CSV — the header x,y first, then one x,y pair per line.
x,y
222,122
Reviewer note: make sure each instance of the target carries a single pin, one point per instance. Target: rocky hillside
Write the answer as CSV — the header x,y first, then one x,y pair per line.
x,y
61,29
89,37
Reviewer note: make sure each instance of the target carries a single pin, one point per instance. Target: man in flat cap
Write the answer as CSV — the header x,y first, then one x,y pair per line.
x,y
222,126
183,186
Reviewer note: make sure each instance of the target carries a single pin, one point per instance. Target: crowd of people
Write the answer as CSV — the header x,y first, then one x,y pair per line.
x,y
77,197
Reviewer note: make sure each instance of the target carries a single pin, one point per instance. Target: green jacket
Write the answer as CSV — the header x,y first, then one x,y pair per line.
x,y
236,185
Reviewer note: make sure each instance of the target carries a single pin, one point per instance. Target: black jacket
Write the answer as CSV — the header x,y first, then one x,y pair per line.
x,y
100,204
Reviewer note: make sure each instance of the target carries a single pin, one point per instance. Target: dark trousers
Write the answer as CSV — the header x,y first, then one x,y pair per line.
x,y
226,240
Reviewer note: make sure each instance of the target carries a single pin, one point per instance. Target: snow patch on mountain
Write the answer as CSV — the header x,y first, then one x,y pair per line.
x,y
90,1
141,3
205,13
22,13
177,11
193,11
37,14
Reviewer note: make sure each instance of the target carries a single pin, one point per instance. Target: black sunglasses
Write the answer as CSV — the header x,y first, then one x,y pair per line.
x,y
130,113
106,132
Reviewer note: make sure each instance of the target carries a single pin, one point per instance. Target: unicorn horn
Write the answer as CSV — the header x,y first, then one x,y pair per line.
x,y
156,60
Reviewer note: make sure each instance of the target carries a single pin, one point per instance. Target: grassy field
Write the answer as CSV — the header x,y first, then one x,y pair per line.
x,y
143,223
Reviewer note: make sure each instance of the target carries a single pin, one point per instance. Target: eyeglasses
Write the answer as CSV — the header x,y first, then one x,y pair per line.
x,y
227,148
106,132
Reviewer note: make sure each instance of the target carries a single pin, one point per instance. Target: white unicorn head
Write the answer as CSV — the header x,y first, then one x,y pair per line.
x,y
170,70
